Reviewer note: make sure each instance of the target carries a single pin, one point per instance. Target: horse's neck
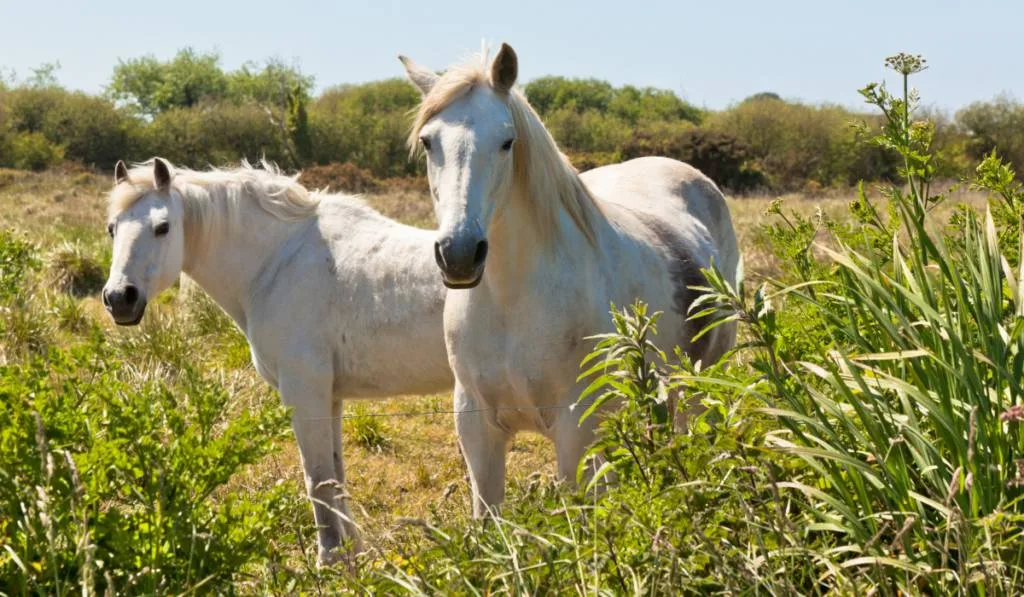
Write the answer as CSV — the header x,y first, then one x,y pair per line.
x,y
226,252
518,254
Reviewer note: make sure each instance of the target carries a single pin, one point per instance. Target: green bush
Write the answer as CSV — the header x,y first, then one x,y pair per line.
x,y
366,125
996,125
25,108
112,488
190,107
795,143
73,269
629,104
591,131
18,258
30,151
366,430
153,87
694,512
719,155
89,129
24,326
214,134
911,426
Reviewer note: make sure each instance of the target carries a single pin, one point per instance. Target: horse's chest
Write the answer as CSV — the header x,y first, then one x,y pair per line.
x,y
514,357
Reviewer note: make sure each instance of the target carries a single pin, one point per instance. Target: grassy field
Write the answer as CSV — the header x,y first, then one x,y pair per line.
x,y
401,468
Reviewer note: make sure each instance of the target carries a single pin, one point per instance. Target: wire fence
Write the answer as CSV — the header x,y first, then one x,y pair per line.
x,y
431,413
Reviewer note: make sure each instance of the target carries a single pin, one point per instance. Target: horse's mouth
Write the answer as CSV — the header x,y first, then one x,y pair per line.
x,y
133,319
461,285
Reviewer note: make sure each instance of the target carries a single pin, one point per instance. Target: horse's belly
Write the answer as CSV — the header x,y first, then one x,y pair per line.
x,y
377,366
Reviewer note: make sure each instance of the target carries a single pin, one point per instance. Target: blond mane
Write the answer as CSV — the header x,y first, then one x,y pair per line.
x,y
278,194
543,177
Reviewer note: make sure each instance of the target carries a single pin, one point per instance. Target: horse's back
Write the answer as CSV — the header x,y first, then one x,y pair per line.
x,y
360,293
667,190
679,209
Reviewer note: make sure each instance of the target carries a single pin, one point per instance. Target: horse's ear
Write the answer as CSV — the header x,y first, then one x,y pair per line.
x,y
504,69
424,79
162,174
120,172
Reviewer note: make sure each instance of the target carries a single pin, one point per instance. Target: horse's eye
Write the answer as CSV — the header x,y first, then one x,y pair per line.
x,y
162,228
426,143
507,145
110,229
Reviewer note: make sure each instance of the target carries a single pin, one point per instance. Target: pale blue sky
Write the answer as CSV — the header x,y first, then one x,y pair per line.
x,y
712,53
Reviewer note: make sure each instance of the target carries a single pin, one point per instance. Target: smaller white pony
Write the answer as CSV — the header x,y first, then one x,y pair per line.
x,y
539,252
336,300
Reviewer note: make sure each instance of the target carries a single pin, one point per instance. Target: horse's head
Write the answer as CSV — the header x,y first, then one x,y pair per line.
x,y
467,131
146,226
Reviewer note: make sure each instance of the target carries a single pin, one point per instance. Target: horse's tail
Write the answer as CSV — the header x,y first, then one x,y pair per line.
x,y
718,221
716,217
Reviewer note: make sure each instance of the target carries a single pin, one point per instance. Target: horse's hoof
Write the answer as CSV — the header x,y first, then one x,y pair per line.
x,y
330,557
342,553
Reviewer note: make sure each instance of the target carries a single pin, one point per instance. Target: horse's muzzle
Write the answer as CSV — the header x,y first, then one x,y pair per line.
x,y
461,261
126,305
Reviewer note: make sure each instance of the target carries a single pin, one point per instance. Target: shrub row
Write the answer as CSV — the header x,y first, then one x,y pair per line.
x,y
194,113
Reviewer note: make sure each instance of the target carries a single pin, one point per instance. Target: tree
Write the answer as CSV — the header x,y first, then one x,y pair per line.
x,y
269,84
632,104
996,125
548,94
764,96
153,86
44,76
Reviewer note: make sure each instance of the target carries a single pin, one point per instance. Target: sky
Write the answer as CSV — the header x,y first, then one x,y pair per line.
x,y
711,53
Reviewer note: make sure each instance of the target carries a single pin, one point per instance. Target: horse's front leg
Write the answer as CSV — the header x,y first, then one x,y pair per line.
x,y
483,446
315,425
348,525
572,437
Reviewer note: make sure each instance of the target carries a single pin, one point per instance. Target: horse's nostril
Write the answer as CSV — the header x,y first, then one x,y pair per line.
x,y
131,294
481,253
438,256
106,297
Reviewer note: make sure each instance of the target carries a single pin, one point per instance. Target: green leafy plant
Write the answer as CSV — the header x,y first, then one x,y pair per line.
x,y
910,424
106,487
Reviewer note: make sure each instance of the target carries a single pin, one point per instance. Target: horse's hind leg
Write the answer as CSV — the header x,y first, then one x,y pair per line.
x,y
314,424
483,446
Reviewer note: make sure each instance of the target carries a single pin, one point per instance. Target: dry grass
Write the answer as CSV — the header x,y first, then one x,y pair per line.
x,y
749,213
421,471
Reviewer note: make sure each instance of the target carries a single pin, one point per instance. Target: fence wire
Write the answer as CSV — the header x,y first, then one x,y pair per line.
x,y
432,413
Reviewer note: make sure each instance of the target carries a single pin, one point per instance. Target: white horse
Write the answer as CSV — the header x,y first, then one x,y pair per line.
x,y
540,252
336,300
